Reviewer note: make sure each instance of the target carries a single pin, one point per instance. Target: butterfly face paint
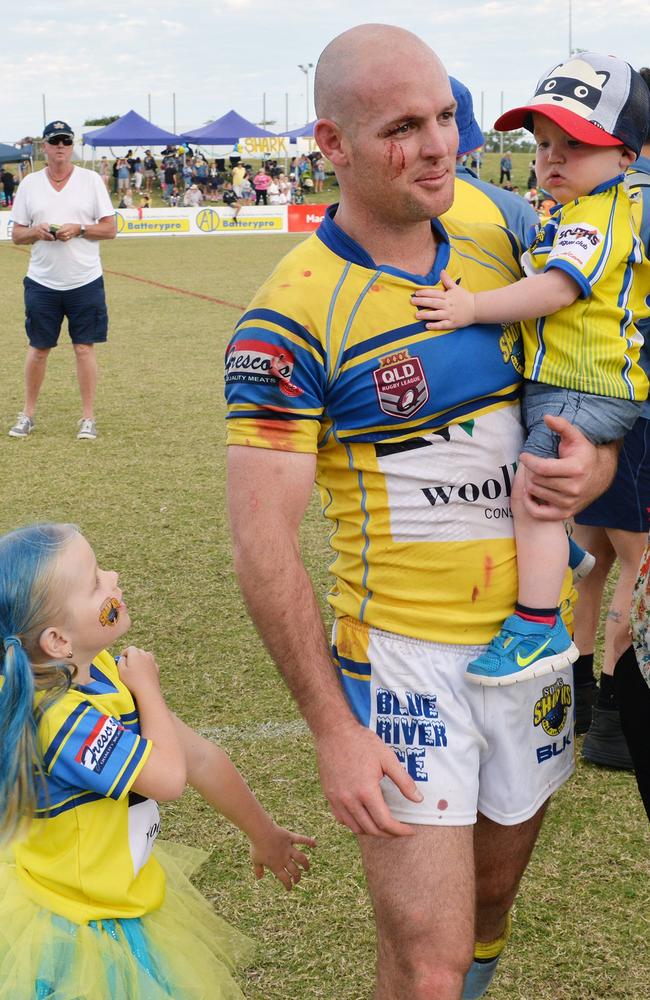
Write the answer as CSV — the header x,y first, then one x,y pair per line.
x,y
110,612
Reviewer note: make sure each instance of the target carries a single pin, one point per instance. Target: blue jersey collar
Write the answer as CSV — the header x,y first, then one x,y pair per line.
x,y
340,243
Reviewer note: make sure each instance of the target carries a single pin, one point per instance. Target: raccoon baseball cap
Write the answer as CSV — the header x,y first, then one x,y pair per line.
x,y
57,128
597,99
469,133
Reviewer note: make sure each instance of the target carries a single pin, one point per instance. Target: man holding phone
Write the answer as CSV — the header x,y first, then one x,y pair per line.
x,y
62,212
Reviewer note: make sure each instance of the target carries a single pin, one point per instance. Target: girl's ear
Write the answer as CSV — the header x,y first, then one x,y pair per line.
x,y
54,643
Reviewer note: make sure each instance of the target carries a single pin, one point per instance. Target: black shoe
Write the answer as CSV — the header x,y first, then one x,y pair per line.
x,y
605,743
585,695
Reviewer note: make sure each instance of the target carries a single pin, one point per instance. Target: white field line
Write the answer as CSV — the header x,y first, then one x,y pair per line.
x,y
297,729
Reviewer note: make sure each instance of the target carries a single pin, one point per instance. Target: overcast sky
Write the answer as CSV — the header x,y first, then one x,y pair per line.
x,y
92,59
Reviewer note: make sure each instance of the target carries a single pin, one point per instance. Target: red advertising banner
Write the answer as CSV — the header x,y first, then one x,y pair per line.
x,y
305,218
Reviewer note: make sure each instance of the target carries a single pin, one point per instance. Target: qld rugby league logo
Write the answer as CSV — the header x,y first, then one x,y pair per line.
x,y
401,385
261,362
552,708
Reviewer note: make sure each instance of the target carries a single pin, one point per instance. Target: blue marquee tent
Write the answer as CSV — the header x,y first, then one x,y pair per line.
x,y
11,154
304,132
130,130
226,131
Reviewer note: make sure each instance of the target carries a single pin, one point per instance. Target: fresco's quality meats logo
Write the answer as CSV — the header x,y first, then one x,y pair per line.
x,y
261,362
99,745
401,385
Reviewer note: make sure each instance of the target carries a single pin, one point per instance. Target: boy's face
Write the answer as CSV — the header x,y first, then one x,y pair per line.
x,y
568,168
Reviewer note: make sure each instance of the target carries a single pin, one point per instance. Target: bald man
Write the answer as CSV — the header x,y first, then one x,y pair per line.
x,y
413,441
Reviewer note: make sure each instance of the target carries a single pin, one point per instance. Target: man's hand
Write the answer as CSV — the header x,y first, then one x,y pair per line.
x,y
42,232
445,310
68,231
352,761
557,488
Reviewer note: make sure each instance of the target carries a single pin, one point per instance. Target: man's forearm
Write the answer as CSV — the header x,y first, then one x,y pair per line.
x,y
281,601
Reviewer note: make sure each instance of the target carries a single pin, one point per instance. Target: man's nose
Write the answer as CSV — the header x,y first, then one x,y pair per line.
x,y
437,141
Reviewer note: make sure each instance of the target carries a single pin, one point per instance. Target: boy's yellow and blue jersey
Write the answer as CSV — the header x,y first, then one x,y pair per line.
x,y
416,433
593,345
87,855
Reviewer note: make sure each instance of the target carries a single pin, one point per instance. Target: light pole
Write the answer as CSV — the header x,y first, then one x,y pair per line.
x,y
305,70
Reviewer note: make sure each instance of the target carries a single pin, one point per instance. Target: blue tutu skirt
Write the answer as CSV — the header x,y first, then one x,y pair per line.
x,y
182,950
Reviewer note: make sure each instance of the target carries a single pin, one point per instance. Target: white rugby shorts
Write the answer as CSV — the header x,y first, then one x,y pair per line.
x,y
501,751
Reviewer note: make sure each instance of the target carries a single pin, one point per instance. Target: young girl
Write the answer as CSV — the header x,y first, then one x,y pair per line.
x,y
87,910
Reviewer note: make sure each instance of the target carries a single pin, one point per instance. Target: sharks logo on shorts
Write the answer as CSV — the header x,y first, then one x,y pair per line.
x,y
552,709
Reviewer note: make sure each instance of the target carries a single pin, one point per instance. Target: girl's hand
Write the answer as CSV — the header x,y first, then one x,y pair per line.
x,y
138,670
444,310
275,850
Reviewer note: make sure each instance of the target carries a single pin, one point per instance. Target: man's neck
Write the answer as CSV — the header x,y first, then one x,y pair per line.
x,y
60,171
410,247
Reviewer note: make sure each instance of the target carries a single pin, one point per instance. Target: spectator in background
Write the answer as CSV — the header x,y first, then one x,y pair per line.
x,y
62,212
126,201
171,177
193,196
319,174
261,183
247,191
137,173
238,174
532,175
174,197
105,172
8,184
116,164
123,175
145,200
229,197
149,165
505,166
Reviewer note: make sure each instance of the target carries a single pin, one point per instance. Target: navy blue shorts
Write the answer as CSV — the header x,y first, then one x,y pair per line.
x,y
626,503
46,308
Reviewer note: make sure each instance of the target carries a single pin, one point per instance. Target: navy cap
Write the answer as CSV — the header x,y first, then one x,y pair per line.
x,y
469,133
57,128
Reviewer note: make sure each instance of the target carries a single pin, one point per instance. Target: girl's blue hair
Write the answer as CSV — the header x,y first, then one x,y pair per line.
x,y
27,602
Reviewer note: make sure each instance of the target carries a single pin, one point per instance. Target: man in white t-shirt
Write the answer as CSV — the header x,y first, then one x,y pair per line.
x,y
62,212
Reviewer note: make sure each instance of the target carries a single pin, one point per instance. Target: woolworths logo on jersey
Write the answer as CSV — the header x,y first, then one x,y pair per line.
x,y
494,488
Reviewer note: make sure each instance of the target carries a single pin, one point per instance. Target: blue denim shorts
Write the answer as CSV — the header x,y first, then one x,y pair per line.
x,y
46,308
600,418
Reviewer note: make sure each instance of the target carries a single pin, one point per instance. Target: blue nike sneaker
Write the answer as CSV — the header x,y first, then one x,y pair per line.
x,y
522,650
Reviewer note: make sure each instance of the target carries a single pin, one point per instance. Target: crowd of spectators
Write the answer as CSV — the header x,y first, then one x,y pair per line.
x,y
186,177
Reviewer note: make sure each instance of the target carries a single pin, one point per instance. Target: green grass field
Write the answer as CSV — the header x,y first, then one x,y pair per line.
x,y
149,494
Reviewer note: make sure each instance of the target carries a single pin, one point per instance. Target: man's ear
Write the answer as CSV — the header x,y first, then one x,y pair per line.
x,y
54,643
330,141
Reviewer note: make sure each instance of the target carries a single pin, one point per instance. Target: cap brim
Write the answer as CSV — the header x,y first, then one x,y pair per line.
x,y
573,125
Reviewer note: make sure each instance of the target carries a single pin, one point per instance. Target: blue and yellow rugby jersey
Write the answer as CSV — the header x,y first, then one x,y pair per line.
x,y
476,200
417,434
87,852
593,345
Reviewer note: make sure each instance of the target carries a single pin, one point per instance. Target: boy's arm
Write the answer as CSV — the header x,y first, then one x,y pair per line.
x,y
540,295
